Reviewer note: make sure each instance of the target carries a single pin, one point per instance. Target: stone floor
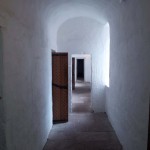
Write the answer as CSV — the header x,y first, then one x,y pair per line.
x,y
81,97
85,130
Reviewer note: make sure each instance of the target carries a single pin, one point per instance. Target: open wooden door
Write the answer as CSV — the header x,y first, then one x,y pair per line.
x,y
60,86
73,73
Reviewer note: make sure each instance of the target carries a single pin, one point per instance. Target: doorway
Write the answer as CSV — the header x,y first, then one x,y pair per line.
x,y
81,93
80,69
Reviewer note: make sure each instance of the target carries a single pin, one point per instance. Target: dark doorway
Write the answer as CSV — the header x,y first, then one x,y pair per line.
x,y
80,69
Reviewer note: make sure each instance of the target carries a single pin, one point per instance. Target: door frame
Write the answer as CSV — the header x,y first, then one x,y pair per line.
x,y
83,59
70,74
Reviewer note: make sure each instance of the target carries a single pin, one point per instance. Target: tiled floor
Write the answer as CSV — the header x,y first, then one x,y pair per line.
x,y
85,130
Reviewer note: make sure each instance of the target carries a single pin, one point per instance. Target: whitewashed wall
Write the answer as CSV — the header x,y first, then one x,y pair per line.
x,y
27,76
88,68
128,102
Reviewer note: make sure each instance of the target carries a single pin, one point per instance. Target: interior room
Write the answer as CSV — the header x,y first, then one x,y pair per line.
x,y
39,40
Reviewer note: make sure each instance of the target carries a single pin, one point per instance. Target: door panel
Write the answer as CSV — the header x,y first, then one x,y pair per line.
x,y
60,86
64,70
56,70
56,102
64,104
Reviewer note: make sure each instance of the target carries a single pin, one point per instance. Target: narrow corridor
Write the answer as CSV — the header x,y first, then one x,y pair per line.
x,y
85,130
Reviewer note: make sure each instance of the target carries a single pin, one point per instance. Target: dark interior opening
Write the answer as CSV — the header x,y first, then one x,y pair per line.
x,y
80,69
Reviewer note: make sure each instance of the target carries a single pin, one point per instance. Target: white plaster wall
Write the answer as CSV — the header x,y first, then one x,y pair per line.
x,y
27,75
106,54
59,11
75,69
128,95
83,35
87,68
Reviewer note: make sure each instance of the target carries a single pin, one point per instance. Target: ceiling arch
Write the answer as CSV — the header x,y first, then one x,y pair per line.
x,y
58,12
80,33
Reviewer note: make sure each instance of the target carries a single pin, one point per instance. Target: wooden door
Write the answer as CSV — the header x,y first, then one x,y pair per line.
x,y
73,73
60,86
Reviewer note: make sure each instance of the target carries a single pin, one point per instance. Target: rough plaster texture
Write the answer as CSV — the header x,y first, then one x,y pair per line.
x,y
128,100
27,75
